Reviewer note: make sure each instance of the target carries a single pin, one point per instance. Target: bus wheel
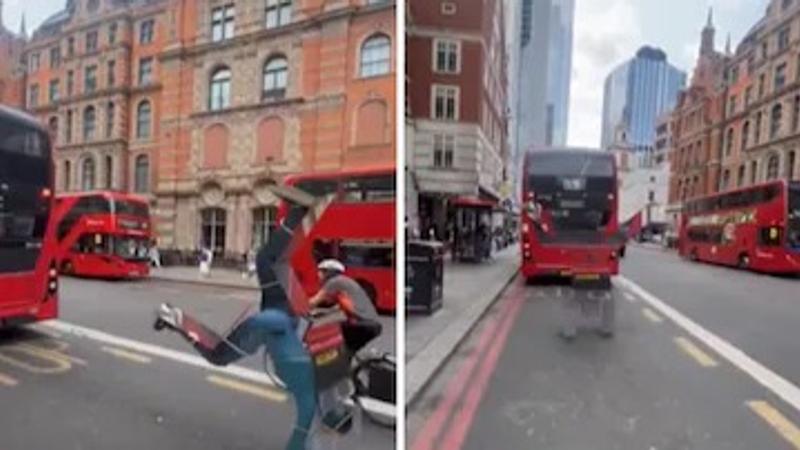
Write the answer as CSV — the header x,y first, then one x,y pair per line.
x,y
693,255
744,261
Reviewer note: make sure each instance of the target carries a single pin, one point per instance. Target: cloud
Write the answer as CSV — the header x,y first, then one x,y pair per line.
x,y
606,34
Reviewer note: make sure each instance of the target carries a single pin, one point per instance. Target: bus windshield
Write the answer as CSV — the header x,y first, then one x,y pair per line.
x,y
793,234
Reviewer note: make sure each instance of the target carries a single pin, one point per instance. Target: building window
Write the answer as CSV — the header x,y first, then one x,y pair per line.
x,y
212,229
773,164
753,172
88,174
449,9
70,46
445,102
109,119
264,222
762,81
67,175
52,127
55,57
145,71
89,123
745,135
146,29
796,113
109,166
740,176
376,58
729,142
447,56
775,121
143,120
786,4
748,96
70,82
757,131
275,78
112,33
764,50
142,174
53,91
34,62
726,179
783,38
33,96
790,162
222,23
732,105
780,76
278,13
68,131
220,90
91,41
90,79
444,146
111,73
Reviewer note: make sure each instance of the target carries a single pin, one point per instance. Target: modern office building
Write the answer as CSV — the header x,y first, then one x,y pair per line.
x,y
636,93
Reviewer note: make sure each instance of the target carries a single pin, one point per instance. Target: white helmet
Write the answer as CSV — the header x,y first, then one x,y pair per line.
x,y
331,265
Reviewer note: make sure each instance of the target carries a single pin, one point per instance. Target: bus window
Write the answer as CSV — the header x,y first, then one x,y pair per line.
x,y
369,189
366,256
770,236
319,187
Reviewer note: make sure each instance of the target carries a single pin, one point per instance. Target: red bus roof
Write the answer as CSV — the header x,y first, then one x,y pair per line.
x,y
107,194
321,175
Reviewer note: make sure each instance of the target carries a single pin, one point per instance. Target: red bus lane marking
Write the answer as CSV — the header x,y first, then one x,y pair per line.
x,y
461,424
433,426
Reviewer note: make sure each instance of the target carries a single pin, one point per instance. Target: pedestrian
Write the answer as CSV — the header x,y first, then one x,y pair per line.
x,y
205,259
155,255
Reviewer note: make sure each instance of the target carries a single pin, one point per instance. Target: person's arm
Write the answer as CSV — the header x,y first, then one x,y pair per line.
x,y
319,298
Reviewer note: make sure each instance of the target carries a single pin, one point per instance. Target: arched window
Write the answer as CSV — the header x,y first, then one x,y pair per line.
x,y
89,123
276,76
726,179
88,174
219,94
109,168
729,142
376,56
740,176
67,175
745,136
773,165
109,119
775,121
270,139
371,123
142,174
753,172
144,115
215,147
212,229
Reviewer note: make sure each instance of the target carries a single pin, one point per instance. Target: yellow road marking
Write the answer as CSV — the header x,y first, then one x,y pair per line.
x,y
6,380
130,356
695,352
247,388
51,353
778,421
629,297
651,315
58,363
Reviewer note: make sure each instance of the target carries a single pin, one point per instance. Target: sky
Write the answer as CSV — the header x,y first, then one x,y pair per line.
x,y
36,11
608,32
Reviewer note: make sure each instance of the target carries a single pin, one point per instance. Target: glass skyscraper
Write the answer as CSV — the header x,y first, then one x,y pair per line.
x,y
636,93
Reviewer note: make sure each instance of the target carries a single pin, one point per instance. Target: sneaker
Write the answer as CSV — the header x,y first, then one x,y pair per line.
x,y
293,195
168,316
339,419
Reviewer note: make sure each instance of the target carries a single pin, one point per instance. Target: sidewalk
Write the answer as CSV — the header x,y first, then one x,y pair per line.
x,y
469,290
218,277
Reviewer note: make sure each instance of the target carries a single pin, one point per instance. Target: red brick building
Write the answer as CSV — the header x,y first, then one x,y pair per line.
x,y
11,84
457,80
200,104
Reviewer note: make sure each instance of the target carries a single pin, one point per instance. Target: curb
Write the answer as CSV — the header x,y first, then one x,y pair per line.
x,y
441,349
221,284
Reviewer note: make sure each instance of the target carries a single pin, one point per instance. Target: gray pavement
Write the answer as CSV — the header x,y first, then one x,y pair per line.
x,y
73,391
469,290
514,384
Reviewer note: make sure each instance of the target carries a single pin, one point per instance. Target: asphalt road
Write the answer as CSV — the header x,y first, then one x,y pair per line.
x,y
515,384
101,378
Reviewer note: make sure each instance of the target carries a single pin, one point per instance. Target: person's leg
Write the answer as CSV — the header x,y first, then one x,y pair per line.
x,y
360,333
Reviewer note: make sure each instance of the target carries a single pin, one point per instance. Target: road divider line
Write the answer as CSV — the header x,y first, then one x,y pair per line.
x,y
48,352
246,388
629,297
651,315
130,356
776,384
379,408
777,421
7,380
695,352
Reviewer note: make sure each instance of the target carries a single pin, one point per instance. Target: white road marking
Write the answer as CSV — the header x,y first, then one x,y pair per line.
x,y
651,315
763,375
629,297
130,356
376,407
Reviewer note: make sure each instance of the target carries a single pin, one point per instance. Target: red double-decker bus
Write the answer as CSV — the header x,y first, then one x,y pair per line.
x,y
755,228
28,276
570,226
103,234
358,229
